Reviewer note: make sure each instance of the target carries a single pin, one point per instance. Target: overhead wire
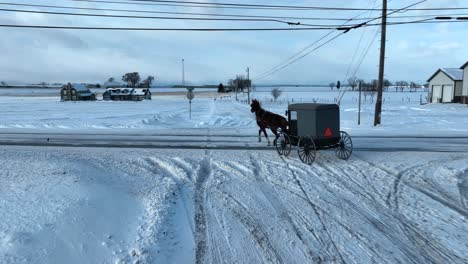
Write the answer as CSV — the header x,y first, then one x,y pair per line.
x,y
254,6
219,15
357,47
346,29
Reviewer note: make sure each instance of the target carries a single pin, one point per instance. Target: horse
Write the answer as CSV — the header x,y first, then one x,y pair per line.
x,y
266,119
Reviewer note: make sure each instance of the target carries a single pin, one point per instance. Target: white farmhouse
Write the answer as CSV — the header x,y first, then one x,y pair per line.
x,y
446,85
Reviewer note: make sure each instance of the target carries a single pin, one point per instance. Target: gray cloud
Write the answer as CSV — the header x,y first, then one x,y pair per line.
x,y
413,51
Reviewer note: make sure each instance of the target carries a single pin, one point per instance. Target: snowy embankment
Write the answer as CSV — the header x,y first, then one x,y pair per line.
x,y
198,206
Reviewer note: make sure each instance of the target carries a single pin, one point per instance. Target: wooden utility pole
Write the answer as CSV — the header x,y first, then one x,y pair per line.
x,y
183,73
248,86
359,109
378,104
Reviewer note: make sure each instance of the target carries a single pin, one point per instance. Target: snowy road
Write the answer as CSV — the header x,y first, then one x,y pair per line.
x,y
97,205
208,140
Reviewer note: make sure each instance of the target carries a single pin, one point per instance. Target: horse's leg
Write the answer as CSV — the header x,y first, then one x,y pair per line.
x,y
266,136
276,135
259,133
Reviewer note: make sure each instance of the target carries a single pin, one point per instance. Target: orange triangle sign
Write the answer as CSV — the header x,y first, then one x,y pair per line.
x,y
328,132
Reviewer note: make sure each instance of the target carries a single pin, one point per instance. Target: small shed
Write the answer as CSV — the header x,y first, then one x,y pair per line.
x,y
76,92
464,97
445,85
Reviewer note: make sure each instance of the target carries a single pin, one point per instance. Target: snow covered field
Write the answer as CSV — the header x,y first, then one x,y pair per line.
x,y
67,205
402,113
182,205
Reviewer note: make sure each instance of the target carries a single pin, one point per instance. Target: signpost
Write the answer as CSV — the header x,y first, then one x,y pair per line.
x,y
190,96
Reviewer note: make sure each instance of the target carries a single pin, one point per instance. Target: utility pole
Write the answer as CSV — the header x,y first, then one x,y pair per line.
x,y
183,74
378,104
248,86
359,111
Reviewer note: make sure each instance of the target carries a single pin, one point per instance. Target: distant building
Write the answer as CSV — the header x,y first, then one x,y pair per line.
x,y
446,86
126,94
76,92
464,97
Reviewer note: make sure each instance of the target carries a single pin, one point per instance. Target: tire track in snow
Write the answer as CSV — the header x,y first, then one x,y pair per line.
x,y
428,247
315,208
158,166
392,226
201,237
253,226
463,188
429,194
276,203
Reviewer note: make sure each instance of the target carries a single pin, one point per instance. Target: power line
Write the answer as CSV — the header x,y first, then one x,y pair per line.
x,y
357,47
155,17
254,6
220,15
190,18
273,70
163,29
268,73
178,18
212,29
316,48
181,13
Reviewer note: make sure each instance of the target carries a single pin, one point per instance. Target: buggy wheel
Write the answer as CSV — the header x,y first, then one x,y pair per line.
x,y
345,146
306,150
283,144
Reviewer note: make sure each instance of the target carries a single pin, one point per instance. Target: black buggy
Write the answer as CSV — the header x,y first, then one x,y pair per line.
x,y
313,127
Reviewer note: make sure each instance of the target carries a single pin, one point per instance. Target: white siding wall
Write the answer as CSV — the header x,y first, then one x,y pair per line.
x,y
465,82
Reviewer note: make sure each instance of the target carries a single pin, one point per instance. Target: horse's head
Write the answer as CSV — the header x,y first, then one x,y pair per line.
x,y
254,106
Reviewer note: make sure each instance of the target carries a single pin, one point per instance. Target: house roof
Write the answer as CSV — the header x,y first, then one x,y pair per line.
x,y
464,65
79,87
120,91
453,73
139,91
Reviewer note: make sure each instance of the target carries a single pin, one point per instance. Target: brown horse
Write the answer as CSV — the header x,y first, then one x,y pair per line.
x,y
269,120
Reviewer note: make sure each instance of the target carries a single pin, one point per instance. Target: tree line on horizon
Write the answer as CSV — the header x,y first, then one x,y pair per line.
x,y
353,82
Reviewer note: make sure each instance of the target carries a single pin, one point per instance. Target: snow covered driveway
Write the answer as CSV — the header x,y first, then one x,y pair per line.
x,y
97,205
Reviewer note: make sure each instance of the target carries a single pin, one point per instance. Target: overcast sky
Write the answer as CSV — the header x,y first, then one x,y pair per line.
x,y
414,52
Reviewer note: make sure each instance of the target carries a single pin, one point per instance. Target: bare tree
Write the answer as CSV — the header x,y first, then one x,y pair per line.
x,y
276,92
353,82
132,79
403,85
332,84
386,84
147,82
3,84
240,83
111,79
412,86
